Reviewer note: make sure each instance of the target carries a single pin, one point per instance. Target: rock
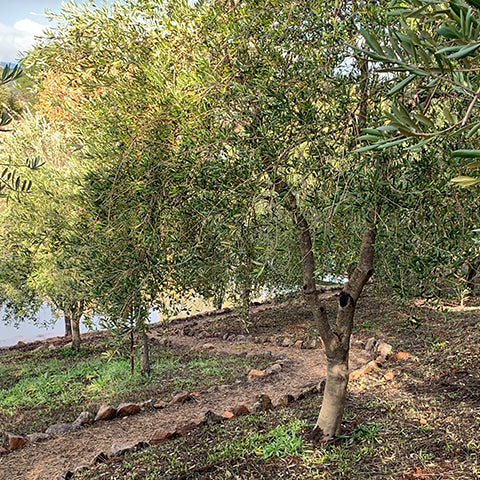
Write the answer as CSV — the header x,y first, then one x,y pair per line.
x,y
181,398
106,412
20,344
255,374
161,436
147,403
227,414
119,449
370,366
15,441
164,342
298,344
384,350
85,418
185,429
81,468
240,410
100,457
65,475
310,344
279,356
208,346
307,390
284,400
262,403
125,409
321,386
370,345
390,375
211,418
61,429
275,368
160,404
38,437
400,356
287,342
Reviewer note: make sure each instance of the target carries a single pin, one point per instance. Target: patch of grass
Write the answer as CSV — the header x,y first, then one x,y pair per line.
x,y
60,384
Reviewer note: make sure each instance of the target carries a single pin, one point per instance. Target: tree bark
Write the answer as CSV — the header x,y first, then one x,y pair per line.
x,y
68,324
144,355
76,339
337,350
335,337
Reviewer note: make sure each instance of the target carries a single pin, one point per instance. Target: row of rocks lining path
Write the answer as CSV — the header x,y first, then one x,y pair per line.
x,y
301,370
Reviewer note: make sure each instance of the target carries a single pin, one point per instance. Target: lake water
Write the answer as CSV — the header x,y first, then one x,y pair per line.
x,y
47,326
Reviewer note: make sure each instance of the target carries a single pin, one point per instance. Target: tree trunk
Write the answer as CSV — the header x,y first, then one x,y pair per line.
x,y
144,355
76,340
329,420
335,337
68,325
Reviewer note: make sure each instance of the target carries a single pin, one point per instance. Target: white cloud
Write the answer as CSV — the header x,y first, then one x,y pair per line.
x,y
18,38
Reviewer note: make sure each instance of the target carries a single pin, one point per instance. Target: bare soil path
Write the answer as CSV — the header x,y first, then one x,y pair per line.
x,y
301,369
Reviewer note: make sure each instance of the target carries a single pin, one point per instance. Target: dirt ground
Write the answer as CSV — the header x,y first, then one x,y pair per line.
x,y
416,329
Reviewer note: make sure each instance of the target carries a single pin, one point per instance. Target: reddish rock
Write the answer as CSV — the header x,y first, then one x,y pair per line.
x,y
185,429
106,412
181,398
125,409
240,410
161,436
159,405
255,374
298,344
400,356
227,414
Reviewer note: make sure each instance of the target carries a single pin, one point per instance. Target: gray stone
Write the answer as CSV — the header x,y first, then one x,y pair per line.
x,y
275,368
262,403
85,418
285,400
119,449
38,437
212,418
369,346
61,428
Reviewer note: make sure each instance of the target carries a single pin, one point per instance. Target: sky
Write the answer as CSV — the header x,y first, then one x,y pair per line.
x,y
20,22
